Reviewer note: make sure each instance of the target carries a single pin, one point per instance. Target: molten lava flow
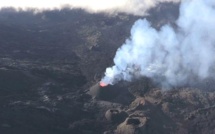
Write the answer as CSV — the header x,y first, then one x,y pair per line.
x,y
102,84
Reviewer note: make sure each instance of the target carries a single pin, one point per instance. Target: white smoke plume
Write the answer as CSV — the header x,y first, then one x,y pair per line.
x,y
136,7
172,57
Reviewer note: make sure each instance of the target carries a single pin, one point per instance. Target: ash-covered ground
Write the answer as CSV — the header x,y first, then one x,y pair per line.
x,y
50,66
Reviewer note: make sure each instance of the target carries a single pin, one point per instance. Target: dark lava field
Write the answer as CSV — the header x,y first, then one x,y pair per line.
x,y
50,66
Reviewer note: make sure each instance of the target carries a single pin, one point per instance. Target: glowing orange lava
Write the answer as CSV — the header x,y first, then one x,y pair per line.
x,y
102,84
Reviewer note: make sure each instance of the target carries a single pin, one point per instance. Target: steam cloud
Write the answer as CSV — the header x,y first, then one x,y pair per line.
x,y
136,7
170,56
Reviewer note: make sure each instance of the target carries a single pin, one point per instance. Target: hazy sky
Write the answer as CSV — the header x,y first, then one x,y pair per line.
x,y
138,7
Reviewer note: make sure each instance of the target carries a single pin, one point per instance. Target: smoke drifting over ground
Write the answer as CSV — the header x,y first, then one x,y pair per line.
x,y
169,56
136,7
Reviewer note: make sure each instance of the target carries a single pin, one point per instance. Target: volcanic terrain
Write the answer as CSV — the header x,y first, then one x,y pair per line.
x,y
51,64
